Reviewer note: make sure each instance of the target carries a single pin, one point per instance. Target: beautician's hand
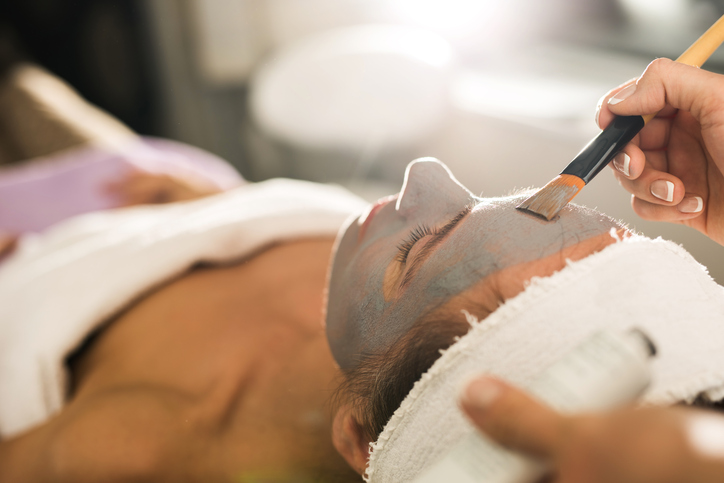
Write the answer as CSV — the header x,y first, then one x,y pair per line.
x,y
653,445
673,168
7,244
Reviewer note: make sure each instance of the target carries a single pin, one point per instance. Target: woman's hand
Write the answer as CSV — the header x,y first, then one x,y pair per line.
x,y
673,168
7,244
653,445
141,188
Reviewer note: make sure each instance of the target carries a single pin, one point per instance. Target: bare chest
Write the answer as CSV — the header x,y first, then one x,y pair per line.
x,y
214,329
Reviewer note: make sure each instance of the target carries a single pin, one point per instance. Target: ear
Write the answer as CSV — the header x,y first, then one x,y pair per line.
x,y
348,439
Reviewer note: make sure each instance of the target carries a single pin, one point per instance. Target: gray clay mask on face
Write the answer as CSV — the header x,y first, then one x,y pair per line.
x,y
412,253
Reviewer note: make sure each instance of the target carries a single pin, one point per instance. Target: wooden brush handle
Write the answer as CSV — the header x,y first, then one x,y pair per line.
x,y
700,50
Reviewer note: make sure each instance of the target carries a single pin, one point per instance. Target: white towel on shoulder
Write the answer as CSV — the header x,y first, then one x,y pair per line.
x,y
654,285
63,284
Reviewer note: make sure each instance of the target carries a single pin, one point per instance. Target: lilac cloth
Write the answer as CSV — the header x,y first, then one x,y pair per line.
x,y
44,191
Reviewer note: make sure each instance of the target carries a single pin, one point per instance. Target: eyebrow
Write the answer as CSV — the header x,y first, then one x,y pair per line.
x,y
436,240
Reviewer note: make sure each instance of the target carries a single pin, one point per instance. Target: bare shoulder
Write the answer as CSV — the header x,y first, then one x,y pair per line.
x,y
125,434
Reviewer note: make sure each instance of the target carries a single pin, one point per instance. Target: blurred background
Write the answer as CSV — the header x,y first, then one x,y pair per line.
x,y
349,91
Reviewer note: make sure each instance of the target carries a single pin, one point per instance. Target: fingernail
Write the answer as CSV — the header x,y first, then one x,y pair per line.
x,y
598,111
622,95
621,163
482,392
693,204
663,190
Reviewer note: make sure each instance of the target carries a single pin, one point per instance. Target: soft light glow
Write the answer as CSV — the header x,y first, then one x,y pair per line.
x,y
453,17
355,87
706,435
524,97
411,42
649,11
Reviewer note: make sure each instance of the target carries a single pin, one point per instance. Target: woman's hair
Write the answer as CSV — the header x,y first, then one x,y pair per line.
x,y
380,382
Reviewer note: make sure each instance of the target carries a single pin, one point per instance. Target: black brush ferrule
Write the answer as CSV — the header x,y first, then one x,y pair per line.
x,y
599,152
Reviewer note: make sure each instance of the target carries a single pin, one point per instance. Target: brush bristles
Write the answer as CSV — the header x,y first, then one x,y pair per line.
x,y
553,197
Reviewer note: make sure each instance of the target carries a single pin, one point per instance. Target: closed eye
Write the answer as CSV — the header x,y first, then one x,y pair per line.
x,y
438,235
404,248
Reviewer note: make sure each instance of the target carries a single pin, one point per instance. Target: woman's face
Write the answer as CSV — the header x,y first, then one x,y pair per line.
x,y
411,252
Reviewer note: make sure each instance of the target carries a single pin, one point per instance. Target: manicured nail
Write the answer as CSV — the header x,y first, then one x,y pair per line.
x,y
482,392
622,95
663,190
621,163
598,111
693,204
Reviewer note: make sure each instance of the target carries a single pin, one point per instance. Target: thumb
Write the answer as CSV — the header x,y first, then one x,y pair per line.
x,y
666,86
512,418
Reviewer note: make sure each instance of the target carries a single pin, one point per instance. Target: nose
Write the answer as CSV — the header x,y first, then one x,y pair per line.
x,y
429,184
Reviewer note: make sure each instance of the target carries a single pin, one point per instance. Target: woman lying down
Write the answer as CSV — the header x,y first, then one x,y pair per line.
x,y
187,341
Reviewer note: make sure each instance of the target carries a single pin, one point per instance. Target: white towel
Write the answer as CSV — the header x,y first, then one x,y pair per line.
x,y
651,284
61,285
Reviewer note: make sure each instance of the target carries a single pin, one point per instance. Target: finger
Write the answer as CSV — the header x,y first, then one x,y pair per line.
x,y
638,163
117,186
143,191
656,134
630,162
152,187
608,106
7,243
604,116
688,161
654,185
690,207
668,83
512,418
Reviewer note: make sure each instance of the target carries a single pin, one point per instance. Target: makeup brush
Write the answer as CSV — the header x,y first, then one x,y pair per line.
x,y
553,197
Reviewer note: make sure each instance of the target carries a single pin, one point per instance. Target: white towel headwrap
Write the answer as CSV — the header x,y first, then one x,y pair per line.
x,y
651,284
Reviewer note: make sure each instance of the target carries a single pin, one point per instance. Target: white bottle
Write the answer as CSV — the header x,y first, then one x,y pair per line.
x,y
607,370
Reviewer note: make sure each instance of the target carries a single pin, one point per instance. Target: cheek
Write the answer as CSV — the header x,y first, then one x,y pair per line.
x,y
393,272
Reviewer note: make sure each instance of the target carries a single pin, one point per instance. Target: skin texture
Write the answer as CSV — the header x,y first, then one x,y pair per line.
x,y
651,445
374,296
684,144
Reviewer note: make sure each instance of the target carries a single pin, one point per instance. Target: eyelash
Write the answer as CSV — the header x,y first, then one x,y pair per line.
x,y
421,231
416,235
